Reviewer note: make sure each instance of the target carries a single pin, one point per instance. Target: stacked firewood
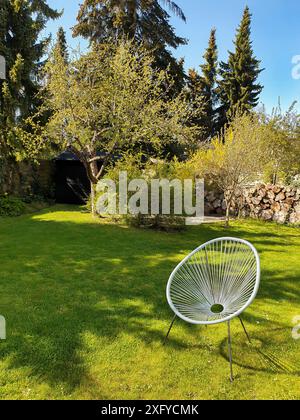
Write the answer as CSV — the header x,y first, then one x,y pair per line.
x,y
267,202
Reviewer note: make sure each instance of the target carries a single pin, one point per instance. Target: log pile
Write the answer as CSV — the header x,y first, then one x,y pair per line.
x,y
267,202
214,203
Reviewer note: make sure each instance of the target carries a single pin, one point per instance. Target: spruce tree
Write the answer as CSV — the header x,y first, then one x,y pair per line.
x,y
21,23
238,89
208,86
195,99
201,91
145,21
61,44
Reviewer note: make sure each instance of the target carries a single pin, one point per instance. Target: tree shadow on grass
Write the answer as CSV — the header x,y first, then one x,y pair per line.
x,y
72,279
272,351
62,280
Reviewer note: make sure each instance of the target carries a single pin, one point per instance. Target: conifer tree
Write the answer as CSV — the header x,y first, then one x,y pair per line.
x,y
144,21
195,99
21,23
208,86
61,44
202,91
238,89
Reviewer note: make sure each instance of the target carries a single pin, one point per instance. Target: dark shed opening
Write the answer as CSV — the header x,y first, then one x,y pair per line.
x,y
72,185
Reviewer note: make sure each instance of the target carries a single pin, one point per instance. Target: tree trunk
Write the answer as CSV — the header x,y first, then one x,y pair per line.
x,y
92,170
93,200
227,223
228,206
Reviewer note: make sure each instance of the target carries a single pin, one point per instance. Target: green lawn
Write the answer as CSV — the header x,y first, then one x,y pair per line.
x,y
86,314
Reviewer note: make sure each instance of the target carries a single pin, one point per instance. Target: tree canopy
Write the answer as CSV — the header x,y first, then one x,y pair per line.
x,y
110,100
233,159
145,21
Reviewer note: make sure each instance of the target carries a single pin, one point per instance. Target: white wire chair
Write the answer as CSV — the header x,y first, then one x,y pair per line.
x,y
215,284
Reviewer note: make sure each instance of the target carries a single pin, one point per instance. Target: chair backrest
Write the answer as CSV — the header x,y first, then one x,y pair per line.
x,y
216,282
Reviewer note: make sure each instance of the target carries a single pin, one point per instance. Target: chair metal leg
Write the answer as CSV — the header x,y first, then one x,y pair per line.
x,y
230,352
246,332
171,326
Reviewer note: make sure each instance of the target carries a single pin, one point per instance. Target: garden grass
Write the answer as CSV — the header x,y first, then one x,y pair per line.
x,y
86,313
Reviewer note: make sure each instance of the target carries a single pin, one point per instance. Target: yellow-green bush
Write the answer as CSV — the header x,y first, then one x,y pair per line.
x,y
137,167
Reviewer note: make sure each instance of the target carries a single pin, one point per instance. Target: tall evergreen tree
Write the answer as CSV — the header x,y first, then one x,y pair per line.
x,y
195,99
208,85
142,20
61,44
201,90
21,23
238,88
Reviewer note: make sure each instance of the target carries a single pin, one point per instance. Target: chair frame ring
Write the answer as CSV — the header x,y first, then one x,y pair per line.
x,y
236,314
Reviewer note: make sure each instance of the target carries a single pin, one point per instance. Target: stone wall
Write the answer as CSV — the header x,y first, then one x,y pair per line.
x,y
26,179
266,202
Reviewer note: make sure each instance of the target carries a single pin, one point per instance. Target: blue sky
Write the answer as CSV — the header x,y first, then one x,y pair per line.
x,y
275,34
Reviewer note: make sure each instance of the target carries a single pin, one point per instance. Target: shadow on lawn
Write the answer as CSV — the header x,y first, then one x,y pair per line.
x,y
272,351
69,279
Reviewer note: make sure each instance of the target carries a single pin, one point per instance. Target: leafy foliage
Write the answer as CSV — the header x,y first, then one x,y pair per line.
x,y
282,143
233,159
137,167
11,206
110,100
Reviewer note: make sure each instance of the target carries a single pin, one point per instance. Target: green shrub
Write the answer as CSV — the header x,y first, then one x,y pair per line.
x,y
11,206
35,198
138,167
158,222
